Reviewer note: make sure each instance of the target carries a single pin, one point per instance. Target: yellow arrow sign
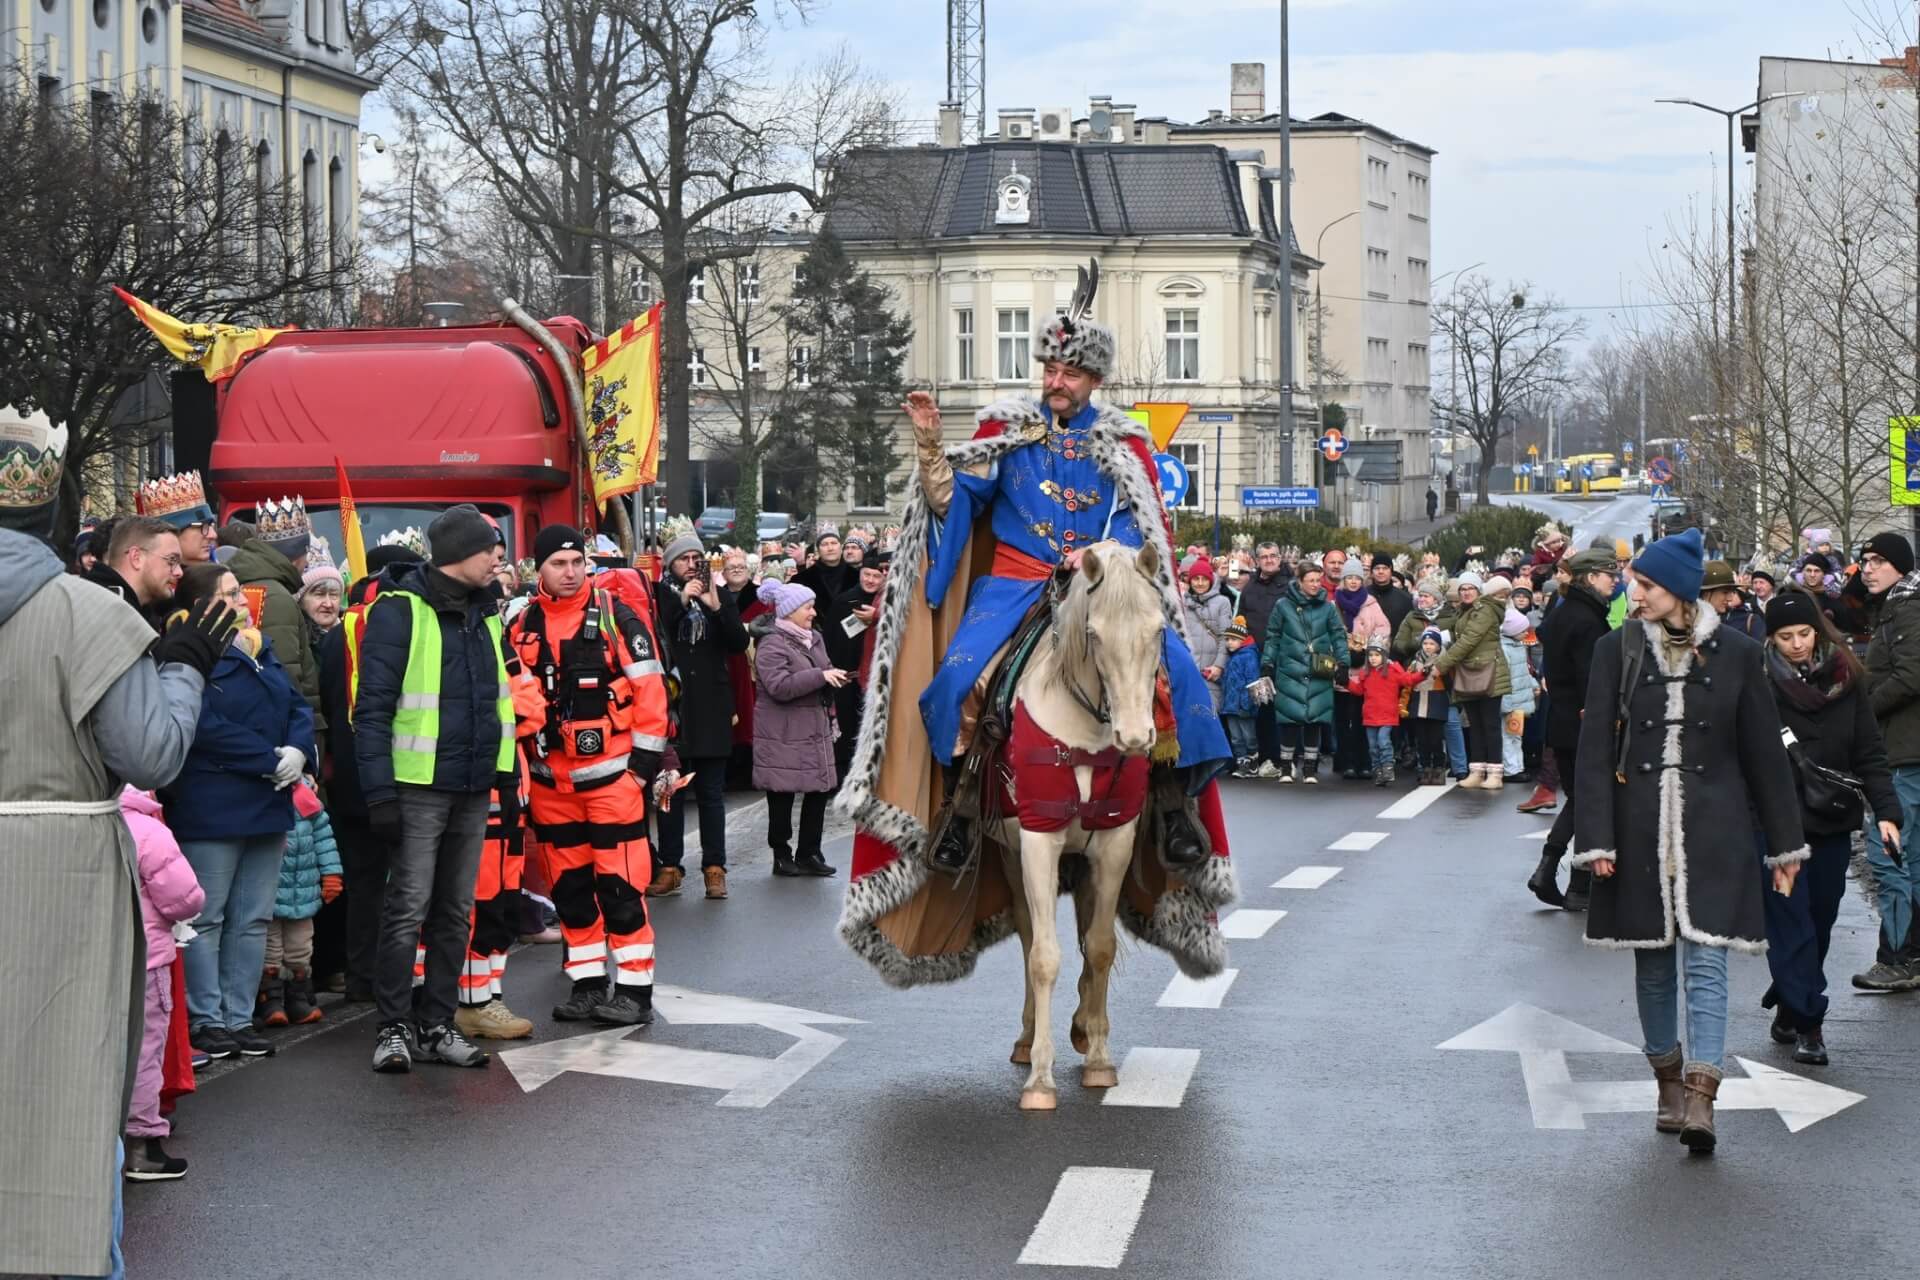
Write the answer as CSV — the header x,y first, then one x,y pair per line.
x,y
1160,418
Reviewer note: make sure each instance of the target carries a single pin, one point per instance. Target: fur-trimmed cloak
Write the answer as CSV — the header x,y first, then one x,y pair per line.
x,y
1705,766
913,925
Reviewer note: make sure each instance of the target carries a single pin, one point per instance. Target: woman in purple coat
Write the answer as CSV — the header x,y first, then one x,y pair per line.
x,y
793,727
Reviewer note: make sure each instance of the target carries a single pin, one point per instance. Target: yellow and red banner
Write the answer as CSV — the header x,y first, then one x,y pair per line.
x,y
217,349
622,374
355,541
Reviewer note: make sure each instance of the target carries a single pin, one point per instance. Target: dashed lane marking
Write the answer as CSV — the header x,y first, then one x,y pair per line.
x,y
1536,835
1306,877
1197,993
1153,1078
1356,842
1415,802
1246,923
1090,1220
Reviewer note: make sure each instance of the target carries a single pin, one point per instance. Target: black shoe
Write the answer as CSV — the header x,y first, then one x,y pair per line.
x,y
1781,1032
1181,845
148,1161
812,864
444,1044
1810,1047
212,1041
586,997
1579,889
393,1051
250,1043
953,853
625,1009
1545,880
357,993
784,865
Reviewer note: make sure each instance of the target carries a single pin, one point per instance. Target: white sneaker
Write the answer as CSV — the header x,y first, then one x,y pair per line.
x,y
1269,770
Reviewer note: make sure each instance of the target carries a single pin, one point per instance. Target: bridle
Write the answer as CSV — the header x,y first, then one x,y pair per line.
x,y
1102,713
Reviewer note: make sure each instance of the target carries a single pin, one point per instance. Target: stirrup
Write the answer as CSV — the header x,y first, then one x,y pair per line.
x,y
951,853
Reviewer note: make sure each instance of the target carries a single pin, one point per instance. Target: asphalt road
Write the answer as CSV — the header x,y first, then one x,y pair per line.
x,y
1307,1124
1618,517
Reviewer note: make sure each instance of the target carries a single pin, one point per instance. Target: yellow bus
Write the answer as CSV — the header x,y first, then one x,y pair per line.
x,y
1606,473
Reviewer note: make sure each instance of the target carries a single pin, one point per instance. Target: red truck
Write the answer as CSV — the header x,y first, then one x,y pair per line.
x,y
422,418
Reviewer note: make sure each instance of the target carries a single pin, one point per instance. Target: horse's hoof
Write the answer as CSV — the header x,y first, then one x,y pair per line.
x,y
1038,1100
1022,1054
1078,1035
1099,1077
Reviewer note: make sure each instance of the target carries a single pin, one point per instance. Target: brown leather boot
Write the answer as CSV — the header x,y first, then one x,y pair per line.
x,y
1666,1069
1702,1084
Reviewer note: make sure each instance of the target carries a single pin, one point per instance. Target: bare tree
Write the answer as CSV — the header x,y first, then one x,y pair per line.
x,y
1509,351
128,192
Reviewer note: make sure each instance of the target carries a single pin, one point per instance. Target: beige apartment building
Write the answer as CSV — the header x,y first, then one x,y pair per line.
x,y
979,243
1362,207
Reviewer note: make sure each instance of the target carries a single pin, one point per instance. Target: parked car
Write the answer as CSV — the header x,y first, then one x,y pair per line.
x,y
714,525
773,526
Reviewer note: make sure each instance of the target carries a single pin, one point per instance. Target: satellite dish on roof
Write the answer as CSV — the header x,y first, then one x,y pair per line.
x,y
1100,124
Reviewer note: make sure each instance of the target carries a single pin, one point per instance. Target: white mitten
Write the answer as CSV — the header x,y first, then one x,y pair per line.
x,y
292,763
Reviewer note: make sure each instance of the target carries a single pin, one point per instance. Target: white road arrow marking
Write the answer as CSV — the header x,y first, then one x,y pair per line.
x,y
1543,1040
747,1079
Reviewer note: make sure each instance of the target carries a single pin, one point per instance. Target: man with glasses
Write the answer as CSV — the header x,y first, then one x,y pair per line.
x,y
181,501
1893,667
1567,640
1258,595
142,567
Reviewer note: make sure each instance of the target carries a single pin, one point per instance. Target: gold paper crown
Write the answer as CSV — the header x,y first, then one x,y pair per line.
x,y
1243,542
169,495
32,458
283,521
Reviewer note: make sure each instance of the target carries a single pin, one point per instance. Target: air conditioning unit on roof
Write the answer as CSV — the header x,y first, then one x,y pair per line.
x,y
1056,124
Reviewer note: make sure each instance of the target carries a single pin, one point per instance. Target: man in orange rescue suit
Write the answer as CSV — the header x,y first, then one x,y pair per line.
x,y
590,761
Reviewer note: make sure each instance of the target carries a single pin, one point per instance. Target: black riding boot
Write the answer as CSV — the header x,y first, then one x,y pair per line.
x,y
953,843
1183,842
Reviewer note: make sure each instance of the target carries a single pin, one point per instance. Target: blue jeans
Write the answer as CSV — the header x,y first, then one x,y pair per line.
x,y
1242,736
1899,887
116,1263
1380,745
223,964
1656,990
1456,744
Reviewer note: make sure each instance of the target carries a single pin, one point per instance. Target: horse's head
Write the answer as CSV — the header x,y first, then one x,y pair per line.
x,y
1111,626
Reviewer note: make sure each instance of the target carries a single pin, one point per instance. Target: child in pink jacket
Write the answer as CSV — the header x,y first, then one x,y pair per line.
x,y
169,895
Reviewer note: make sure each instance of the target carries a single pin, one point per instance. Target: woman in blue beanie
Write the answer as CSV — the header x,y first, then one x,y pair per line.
x,y
1680,754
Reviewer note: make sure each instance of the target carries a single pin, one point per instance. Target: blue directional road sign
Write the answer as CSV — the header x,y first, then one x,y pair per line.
x,y
1173,478
1563,471
1279,498
1586,471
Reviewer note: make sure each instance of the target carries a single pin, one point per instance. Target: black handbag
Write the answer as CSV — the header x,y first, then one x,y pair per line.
x,y
1828,793
1322,666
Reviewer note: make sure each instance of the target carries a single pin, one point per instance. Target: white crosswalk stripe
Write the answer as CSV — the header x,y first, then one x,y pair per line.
x,y
1306,877
1356,842
1090,1220
1153,1078
1197,993
1248,923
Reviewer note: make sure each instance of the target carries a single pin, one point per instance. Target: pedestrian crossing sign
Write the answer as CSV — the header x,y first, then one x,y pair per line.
x,y
1903,447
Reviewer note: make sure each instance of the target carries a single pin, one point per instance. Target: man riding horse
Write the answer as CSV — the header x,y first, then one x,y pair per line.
x,y
990,523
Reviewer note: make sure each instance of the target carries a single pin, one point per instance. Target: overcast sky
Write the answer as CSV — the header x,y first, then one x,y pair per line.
x,y
1555,165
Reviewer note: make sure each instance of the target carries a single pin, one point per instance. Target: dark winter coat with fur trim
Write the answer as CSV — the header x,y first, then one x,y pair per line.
x,y
1704,767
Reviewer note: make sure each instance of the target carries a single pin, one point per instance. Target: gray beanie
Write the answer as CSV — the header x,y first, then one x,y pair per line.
x,y
682,545
458,532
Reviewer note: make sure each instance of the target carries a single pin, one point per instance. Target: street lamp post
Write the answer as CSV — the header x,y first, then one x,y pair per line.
x,y
1453,354
1319,322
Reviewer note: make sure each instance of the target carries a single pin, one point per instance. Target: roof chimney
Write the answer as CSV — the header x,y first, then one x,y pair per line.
x,y
949,124
1154,131
1123,121
1248,99
1247,164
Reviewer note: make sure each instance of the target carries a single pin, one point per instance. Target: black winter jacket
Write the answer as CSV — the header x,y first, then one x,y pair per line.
x,y
1567,637
1395,602
1257,597
344,797
469,744
1828,713
704,717
1893,665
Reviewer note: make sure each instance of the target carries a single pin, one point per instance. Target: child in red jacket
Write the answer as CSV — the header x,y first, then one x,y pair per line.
x,y
1379,684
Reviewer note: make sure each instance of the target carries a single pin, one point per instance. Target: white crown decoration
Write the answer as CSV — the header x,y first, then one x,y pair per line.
x,y
410,537
1512,556
1403,563
825,529
32,458
673,528
283,521
319,554
1478,568
1355,553
1547,532
1243,542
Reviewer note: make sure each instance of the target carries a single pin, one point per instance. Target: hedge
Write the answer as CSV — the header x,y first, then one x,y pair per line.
x,y
1288,531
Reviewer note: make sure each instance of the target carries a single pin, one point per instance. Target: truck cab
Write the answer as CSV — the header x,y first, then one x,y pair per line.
x,y
422,419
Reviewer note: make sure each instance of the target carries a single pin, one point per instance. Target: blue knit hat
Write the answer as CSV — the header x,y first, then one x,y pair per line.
x,y
1678,563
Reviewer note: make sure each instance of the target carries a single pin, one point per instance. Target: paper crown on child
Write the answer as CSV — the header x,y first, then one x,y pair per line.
x,y
180,500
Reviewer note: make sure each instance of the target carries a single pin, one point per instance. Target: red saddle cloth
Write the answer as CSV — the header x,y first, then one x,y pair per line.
x,y
1045,794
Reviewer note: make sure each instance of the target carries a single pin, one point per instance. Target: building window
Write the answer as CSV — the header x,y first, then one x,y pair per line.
x,y
963,345
1377,171
1015,342
1196,459
311,198
640,284
316,21
264,257
697,285
796,275
337,238
1417,195
1417,279
801,362
1417,366
102,13
1379,273
1379,361
1183,344
749,283
697,366
869,489
753,360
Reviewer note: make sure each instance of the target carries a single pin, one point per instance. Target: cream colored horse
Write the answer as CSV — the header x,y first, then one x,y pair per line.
x,y
1091,688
